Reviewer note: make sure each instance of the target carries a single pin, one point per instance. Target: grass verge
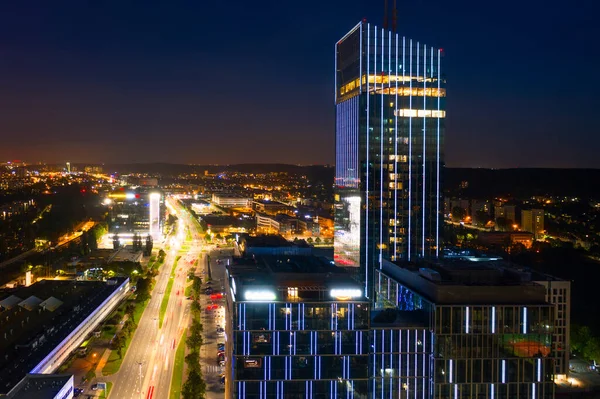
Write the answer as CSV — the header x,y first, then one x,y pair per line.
x,y
177,381
188,290
114,361
167,294
105,394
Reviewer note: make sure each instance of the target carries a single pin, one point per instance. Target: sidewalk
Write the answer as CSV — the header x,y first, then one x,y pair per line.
x,y
102,362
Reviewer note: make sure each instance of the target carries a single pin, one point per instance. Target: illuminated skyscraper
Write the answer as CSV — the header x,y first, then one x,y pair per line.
x,y
390,110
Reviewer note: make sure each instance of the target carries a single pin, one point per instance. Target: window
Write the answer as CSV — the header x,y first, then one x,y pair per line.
x,y
292,292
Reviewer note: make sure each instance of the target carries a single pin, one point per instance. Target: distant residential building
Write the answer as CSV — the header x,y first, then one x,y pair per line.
x,y
502,238
93,169
505,211
532,220
231,201
279,224
481,211
271,207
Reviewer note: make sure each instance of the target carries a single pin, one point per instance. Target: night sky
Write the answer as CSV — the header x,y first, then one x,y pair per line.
x,y
238,81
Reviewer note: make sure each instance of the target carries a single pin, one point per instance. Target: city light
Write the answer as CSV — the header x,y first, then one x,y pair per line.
x,y
260,296
345,293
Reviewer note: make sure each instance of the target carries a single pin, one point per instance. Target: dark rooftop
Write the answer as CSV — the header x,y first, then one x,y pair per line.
x,y
271,240
40,386
460,281
29,333
309,273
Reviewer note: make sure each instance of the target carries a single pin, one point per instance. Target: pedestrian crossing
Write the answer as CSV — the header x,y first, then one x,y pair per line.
x,y
211,369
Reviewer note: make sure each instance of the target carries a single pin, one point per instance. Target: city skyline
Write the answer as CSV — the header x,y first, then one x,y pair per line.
x,y
123,84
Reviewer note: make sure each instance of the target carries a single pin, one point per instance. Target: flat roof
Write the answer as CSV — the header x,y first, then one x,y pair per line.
x,y
459,281
40,386
271,240
32,334
307,273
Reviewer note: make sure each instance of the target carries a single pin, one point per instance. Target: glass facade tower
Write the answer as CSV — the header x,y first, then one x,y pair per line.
x,y
390,110
484,350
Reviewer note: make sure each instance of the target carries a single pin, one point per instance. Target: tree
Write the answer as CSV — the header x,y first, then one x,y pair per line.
x,y
194,387
207,237
458,214
309,240
317,240
143,289
196,310
197,284
129,325
193,361
118,343
196,328
130,309
194,342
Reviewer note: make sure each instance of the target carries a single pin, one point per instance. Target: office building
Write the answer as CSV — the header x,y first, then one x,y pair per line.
x,y
299,329
43,386
45,322
390,109
138,211
231,201
460,329
558,293
532,220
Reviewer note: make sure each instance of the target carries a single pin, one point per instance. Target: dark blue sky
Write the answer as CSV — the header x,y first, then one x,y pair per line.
x,y
237,81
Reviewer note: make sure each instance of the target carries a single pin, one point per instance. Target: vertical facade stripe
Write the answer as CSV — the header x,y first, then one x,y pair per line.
x,y
437,216
410,71
381,140
366,266
424,172
396,157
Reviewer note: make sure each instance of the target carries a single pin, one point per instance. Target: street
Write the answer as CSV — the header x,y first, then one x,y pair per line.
x,y
147,368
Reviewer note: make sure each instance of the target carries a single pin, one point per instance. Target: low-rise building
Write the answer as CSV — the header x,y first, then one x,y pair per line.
x,y
45,322
43,386
231,201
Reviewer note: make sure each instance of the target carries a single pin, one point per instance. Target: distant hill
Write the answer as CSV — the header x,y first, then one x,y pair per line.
x,y
482,183
174,169
523,183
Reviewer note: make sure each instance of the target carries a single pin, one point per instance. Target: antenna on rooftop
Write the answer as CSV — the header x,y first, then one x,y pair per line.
x,y
385,14
394,18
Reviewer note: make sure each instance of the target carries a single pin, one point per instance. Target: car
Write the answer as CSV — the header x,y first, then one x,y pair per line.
x,y
221,356
221,363
220,329
94,387
208,291
212,306
222,380
218,295
221,347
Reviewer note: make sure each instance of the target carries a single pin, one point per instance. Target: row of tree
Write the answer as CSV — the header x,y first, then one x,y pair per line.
x,y
585,343
194,386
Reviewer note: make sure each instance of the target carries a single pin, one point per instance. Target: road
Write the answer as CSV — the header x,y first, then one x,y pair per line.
x,y
147,369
